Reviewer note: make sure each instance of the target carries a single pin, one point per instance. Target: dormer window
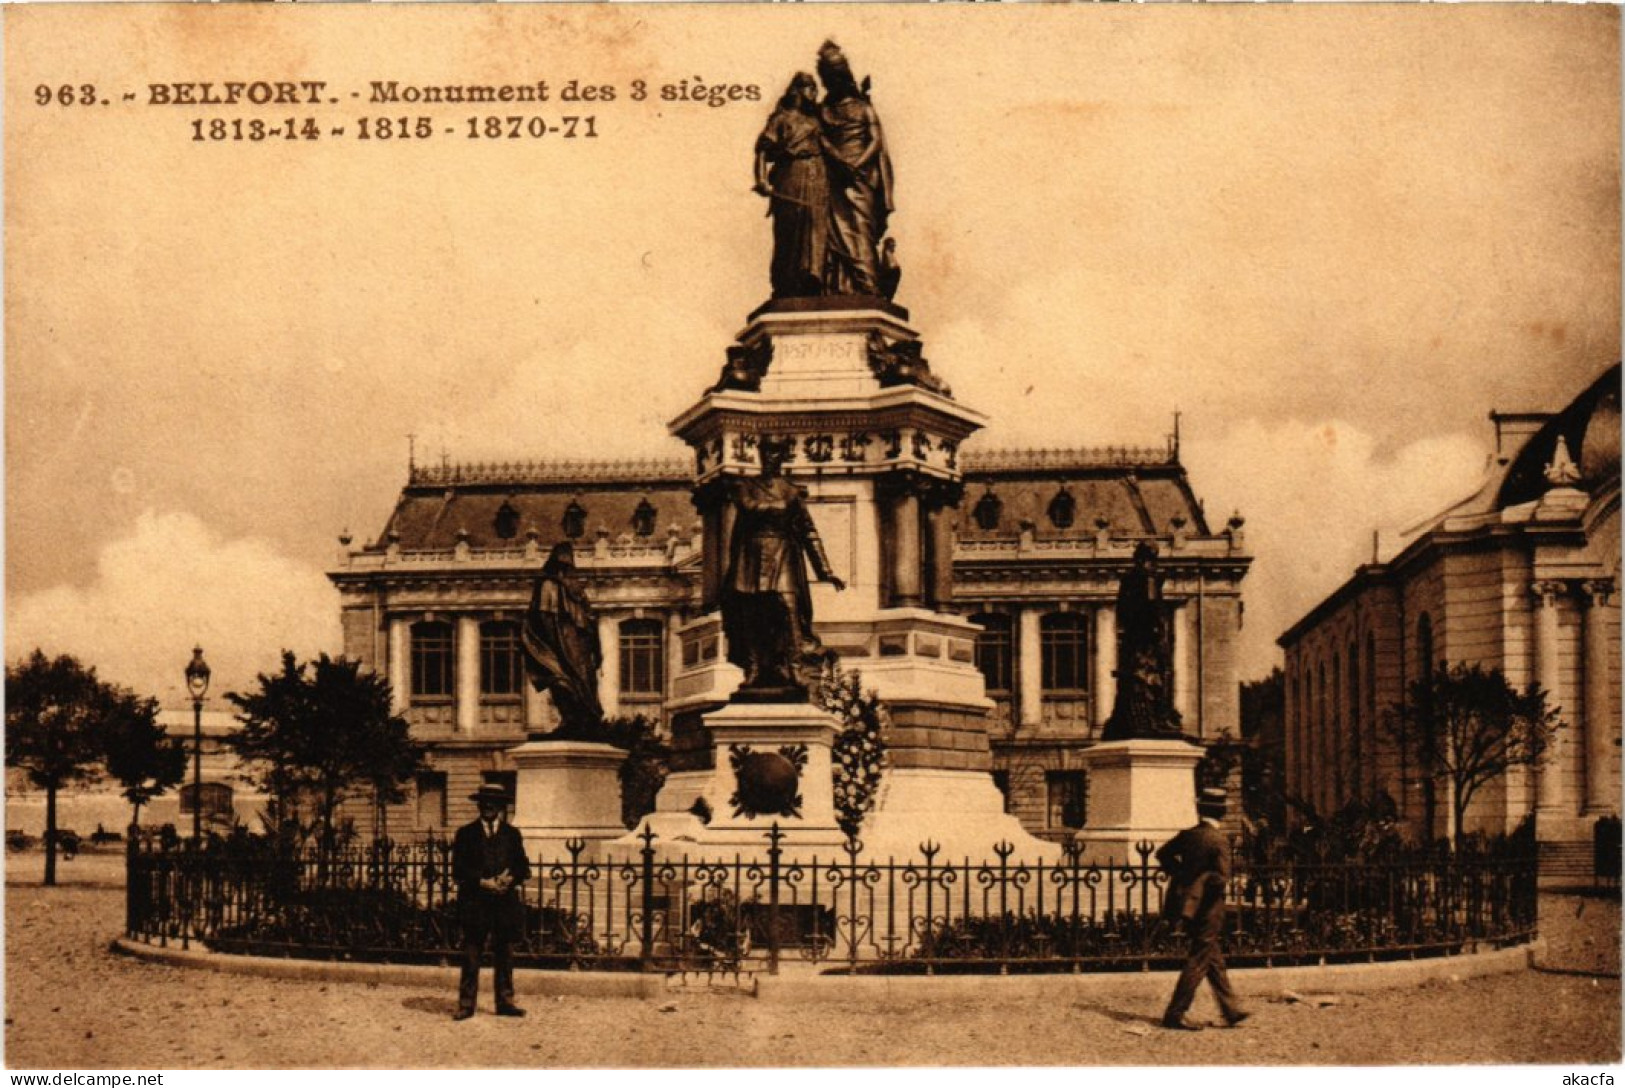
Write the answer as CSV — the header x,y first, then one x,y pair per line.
x,y
507,521
988,511
643,519
1063,509
575,520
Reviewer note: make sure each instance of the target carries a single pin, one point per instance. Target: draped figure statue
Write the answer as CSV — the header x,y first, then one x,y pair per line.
x,y
560,640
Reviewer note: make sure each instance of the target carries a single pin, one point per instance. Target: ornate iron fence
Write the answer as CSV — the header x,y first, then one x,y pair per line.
x,y
644,911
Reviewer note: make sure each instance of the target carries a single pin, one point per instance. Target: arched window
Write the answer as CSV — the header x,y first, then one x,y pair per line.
x,y
994,651
1064,642
1424,646
432,659
501,667
643,657
988,511
1320,768
1356,726
1371,677
1335,731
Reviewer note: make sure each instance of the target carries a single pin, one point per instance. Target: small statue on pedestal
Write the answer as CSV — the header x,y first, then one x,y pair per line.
x,y
1145,699
766,598
560,640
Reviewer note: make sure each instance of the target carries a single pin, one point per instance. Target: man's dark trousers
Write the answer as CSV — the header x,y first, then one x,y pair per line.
x,y
1197,862
1206,960
488,915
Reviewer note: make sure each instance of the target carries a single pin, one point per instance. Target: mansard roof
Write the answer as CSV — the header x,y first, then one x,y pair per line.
x,y
445,503
1132,491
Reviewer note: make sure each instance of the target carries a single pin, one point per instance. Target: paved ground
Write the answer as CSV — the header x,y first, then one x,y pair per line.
x,y
71,1003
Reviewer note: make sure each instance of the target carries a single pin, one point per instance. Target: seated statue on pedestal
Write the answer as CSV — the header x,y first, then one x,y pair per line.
x,y
1145,674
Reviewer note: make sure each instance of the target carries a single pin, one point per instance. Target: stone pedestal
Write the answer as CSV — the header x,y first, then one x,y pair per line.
x,y
1139,790
961,812
567,790
792,729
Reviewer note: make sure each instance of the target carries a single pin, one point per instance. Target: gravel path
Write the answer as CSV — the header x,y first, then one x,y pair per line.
x,y
71,1003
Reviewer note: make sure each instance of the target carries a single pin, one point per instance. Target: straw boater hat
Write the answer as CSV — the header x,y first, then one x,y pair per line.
x,y
490,792
1212,799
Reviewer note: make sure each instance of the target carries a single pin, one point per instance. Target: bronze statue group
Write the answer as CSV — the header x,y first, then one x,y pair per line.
x,y
824,169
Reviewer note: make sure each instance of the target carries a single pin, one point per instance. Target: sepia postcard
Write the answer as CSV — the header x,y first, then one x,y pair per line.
x,y
865,503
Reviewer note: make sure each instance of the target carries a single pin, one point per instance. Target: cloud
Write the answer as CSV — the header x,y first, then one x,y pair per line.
x,y
1312,493
169,584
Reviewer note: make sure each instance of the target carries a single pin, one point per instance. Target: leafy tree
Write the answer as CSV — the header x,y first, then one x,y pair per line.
x,y
138,753
316,731
1468,726
55,713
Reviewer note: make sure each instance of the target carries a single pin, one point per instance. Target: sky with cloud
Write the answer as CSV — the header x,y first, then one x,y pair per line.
x,y
1333,238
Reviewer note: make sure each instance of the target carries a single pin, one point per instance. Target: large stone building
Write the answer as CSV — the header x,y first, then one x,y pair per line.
x,y
1035,541
1522,575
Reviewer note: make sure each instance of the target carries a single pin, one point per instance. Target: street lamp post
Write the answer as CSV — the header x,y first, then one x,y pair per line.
x,y
197,682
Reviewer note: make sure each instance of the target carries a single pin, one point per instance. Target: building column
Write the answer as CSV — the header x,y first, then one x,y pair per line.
x,y
400,665
941,528
906,558
609,677
468,674
1182,671
1030,666
1105,662
1599,744
1548,783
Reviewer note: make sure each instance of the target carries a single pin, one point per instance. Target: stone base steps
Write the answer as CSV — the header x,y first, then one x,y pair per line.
x,y
1566,860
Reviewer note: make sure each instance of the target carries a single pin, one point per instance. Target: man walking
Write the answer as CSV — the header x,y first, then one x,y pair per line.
x,y
1197,861
489,864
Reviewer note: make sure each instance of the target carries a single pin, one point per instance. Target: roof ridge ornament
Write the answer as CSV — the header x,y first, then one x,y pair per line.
x,y
1561,471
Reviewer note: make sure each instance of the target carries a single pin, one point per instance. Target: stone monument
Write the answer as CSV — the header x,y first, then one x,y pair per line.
x,y
569,784
1142,776
828,443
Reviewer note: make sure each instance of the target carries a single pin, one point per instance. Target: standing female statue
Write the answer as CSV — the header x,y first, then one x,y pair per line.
x,y
766,599
790,173
560,639
860,179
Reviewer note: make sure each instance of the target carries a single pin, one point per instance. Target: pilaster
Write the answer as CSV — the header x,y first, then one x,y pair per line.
x,y
400,665
1549,781
468,674
1105,681
1600,753
1030,666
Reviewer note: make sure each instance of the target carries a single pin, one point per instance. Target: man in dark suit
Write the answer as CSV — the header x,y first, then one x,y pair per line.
x,y
1197,861
489,864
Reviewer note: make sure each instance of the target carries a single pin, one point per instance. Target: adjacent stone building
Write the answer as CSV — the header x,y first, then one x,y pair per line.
x,y
1522,575
1036,542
